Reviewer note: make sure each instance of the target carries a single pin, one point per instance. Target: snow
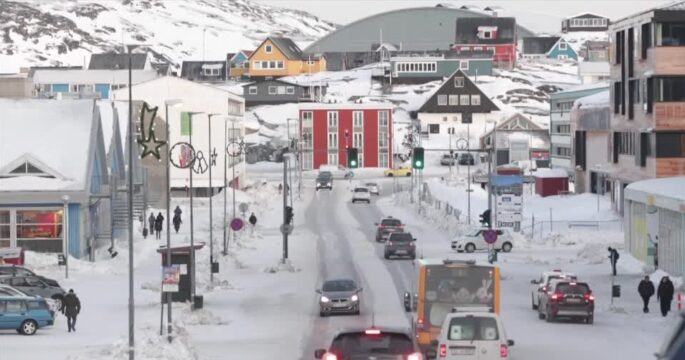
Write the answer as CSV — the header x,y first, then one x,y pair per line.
x,y
544,173
598,85
598,100
671,187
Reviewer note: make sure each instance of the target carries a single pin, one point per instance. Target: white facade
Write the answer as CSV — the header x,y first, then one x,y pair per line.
x,y
593,72
202,98
439,124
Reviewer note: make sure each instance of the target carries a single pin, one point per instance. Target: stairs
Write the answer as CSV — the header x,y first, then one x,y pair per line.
x,y
120,209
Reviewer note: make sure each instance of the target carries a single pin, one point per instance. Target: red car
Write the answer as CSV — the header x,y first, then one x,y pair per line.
x,y
373,343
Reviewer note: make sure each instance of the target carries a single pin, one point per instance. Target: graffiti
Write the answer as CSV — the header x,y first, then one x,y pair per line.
x,y
200,165
213,156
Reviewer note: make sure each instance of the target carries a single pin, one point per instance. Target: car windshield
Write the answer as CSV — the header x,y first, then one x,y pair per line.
x,y
14,270
339,285
349,345
573,288
361,190
401,237
371,184
391,222
473,328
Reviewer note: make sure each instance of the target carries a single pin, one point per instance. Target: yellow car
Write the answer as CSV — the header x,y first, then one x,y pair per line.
x,y
403,171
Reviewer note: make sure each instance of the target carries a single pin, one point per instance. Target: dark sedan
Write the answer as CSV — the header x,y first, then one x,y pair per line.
x,y
400,244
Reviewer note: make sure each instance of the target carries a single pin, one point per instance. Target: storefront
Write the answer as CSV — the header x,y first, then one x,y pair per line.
x,y
37,229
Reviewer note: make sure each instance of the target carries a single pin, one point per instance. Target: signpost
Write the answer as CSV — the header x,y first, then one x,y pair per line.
x,y
237,224
243,207
286,229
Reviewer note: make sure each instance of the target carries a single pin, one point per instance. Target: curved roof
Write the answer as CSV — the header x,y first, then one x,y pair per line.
x,y
415,29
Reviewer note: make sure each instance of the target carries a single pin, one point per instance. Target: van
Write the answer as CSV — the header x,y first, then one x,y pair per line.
x,y
24,314
473,335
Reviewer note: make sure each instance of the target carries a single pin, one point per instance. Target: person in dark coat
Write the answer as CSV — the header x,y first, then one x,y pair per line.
x,y
159,222
613,258
178,211
664,294
253,221
151,222
646,290
177,222
72,307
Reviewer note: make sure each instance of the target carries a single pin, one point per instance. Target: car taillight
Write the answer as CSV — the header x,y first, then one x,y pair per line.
x,y
329,356
443,350
415,356
544,288
503,351
589,297
557,296
420,324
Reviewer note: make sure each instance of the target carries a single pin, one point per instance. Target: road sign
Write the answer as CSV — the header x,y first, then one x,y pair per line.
x,y
237,224
286,229
490,236
243,207
509,216
462,144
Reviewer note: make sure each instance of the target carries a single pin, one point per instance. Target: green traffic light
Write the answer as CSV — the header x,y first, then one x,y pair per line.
x,y
418,163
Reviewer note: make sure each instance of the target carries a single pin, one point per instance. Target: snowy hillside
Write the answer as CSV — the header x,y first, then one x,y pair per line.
x,y
66,32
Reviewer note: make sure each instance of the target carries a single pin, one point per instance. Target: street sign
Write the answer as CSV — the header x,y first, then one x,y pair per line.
x,y
462,144
237,224
286,229
490,236
243,207
509,216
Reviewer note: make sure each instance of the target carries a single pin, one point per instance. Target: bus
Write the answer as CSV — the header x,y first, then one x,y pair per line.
x,y
442,285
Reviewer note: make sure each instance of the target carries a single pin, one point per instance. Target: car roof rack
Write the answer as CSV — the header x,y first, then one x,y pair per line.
x,y
472,308
451,261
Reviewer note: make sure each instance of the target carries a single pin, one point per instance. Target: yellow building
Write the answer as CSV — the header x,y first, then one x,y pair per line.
x,y
279,56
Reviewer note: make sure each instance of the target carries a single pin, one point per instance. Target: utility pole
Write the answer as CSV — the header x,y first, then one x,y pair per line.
x,y
468,173
285,205
225,220
131,132
192,220
211,195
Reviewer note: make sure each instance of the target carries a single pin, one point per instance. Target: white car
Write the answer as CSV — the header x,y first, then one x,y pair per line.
x,y
541,284
361,194
474,240
476,334
373,188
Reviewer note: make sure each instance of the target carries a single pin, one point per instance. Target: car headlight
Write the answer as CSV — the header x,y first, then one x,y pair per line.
x,y
325,299
329,184
354,298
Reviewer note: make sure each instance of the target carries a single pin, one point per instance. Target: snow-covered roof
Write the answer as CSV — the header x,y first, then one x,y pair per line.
x,y
594,86
593,68
551,173
667,192
91,76
54,133
600,99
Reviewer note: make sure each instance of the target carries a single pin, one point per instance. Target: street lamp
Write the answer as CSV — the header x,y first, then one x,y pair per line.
x,y
598,168
167,105
211,193
494,155
65,233
192,224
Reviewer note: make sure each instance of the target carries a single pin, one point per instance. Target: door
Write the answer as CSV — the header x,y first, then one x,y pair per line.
x,y
14,314
489,346
38,287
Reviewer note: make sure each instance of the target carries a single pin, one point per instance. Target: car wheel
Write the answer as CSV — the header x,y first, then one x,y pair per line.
x,y
470,248
390,175
541,316
506,247
28,327
590,319
408,174
413,256
387,256
58,302
532,302
322,314
358,312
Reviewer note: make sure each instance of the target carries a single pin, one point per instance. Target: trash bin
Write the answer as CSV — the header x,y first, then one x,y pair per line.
x,y
198,302
180,255
616,291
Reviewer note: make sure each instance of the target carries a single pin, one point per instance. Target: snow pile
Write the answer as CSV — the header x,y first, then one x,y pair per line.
x,y
593,254
282,267
199,317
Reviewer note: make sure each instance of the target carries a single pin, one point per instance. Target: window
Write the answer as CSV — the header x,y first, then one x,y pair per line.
x,y
279,64
563,45
670,34
39,230
4,228
459,82
670,144
646,42
383,119
487,35
564,106
464,48
253,90
562,129
257,64
383,140
272,64
625,143
562,151
265,64
273,90
475,100
332,119
433,128
358,140
454,100
464,100
470,328
15,306
464,64
383,160
442,100
307,118
670,89
332,140
268,49
281,90
358,118
333,159
26,168
478,48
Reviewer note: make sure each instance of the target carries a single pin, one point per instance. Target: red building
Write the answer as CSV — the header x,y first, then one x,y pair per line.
x,y
327,130
550,182
497,35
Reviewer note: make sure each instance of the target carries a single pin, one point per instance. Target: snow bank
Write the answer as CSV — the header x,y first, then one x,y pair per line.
x,y
545,173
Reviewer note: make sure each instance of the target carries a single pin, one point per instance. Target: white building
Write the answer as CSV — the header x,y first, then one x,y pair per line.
x,y
593,72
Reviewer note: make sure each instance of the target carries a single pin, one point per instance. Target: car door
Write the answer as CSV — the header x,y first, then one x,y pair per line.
x,y
489,344
14,314
480,241
20,284
38,287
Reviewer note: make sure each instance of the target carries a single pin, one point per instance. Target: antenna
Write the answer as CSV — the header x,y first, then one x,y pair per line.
x,y
373,319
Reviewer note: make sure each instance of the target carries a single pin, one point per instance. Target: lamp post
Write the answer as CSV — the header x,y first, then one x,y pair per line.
x,y
192,235
167,105
211,193
494,152
598,168
65,233
225,220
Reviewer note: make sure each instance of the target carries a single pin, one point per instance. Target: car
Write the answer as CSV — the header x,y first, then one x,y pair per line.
x,y
400,244
373,188
324,180
473,334
16,270
24,314
673,348
361,194
372,343
35,286
541,284
337,171
403,171
466,159
339,296
387,226
6,290
567,299
447,160
474,240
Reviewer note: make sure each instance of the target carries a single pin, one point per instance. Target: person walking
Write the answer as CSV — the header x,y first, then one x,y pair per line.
x,y
665,294
151,223
159,222
253,221
646,290
280,188
613,258
177,222
72,307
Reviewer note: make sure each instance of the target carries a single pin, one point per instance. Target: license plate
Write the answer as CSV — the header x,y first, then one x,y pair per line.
x,y
401,252
463,351
339,305
573,301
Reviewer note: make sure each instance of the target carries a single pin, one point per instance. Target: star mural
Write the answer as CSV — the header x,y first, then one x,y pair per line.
x,y
150,144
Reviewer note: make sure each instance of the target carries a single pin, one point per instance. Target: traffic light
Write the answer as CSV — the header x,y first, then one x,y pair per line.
x,y
352,158
288,214
485,218
417,158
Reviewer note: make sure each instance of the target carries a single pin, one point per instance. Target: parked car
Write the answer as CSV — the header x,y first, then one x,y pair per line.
x,y
35,286
16,270
447,160
473,335
673,348
339,296
373,188
24,314
400,244
403,171
466,159
6,290
361,194
541,284
386,226
324,180
372,343
338,171
567,299
474,240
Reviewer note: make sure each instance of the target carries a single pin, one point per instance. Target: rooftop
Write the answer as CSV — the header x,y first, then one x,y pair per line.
x,y
671,187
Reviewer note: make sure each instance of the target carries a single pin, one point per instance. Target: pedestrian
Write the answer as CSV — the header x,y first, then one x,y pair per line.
x,y
613,258
178,211
159,221
151,222
177,222
72,307
280,188
665,294
646,290
253,221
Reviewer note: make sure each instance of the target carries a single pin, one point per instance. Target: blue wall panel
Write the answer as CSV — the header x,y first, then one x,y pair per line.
x,y
75,230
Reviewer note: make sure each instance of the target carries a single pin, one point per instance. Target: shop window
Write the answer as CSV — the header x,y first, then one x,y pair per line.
x,y
39,230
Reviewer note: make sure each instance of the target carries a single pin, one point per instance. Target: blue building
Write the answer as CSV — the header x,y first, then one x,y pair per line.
x,y
562,50
80,83
422,68
551,47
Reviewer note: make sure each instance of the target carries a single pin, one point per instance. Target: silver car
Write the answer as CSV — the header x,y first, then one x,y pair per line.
x,y
339,296
36,286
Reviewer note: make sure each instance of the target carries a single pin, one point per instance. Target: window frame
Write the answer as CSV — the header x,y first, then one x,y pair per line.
x,y
251,88
268,48
459,82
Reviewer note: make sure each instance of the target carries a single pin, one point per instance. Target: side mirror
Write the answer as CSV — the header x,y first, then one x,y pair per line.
x,y
318,354
318,291
360,290
534,282
414,239
510,342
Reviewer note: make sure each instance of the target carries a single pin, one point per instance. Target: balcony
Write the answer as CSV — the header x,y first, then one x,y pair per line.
x,y
667,60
